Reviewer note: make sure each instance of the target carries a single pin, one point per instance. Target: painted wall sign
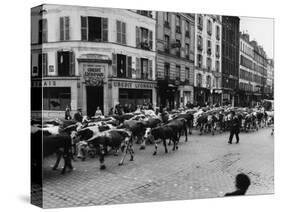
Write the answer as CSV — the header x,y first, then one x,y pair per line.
x,y
93,74
134,85
47,83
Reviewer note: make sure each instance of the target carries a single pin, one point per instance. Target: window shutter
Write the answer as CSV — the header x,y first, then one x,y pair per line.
x,y
45,31
84,26
129,67
150,69
137,37
66,28
150,39
104,29
72,63
45,64
114,65
40,65
124,33
138,70
61,28
118,28
40,31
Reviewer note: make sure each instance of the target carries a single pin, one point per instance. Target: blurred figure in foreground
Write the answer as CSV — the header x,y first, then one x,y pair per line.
x,y
242,183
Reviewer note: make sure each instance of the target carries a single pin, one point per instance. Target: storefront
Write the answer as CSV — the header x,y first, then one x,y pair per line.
x,y
201,96
132,92
54,94
169,95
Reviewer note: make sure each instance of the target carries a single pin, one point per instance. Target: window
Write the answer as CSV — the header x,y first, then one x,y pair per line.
x,y
43,31
94,29
199,43
208,82
167,19
187,51
178,53
199,80
144,38
66,63
121,32
167,44
209,27
199,60
166,70
217,66
56,98
209,47
217,51
122,66
209,63
43,64
187,29
178,27
178,72
200,22
144,68
145,13
187,74
64,28
218,33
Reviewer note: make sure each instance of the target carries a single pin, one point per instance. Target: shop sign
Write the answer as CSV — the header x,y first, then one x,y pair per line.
x,y
134,85
93,74
45,83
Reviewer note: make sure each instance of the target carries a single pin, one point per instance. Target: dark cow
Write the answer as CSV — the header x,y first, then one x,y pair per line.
x,y
114,139
202,122
137,129
189,119
149,124
179,125
50,144
163,132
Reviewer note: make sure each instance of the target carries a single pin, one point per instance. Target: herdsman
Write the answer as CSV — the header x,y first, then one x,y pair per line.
x,y
234,128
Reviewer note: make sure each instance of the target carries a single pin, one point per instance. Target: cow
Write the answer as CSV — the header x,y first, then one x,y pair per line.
x,y
115,139
189,117
163,132
50,144
179,125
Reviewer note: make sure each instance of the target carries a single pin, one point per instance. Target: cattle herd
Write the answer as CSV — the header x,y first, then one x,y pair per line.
x,y
101,135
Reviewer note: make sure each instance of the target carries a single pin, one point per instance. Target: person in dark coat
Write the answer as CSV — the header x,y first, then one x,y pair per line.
x,y
242,183
234,128
78,116
67,113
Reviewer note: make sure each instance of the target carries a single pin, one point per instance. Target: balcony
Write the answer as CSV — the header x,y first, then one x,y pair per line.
x,y
145,45
167,24
167,50
178,29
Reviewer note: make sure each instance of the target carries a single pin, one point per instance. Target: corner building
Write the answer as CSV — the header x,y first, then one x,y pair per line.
x,y
87,57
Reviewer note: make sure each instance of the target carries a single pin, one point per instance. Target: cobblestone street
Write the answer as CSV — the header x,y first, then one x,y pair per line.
x,y
204,167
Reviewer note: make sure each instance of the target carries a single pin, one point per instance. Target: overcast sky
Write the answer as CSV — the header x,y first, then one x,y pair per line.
x,y
261,30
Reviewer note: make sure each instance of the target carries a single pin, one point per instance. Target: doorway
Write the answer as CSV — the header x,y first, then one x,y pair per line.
x,y
94,99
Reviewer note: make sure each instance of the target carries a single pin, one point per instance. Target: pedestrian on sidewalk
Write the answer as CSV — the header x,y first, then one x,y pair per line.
x,y
234,128
242,183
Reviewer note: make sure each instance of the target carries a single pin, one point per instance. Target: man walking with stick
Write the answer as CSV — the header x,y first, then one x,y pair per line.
x,y
234,128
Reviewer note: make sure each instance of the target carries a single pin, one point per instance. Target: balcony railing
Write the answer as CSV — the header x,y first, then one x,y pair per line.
x,y
167,24
178,29
145,45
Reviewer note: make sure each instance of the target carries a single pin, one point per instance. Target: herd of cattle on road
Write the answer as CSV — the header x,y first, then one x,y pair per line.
x,y
97,136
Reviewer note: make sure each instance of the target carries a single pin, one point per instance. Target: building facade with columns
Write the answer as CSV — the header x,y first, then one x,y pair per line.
x,y
175,58
207,74
85,57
